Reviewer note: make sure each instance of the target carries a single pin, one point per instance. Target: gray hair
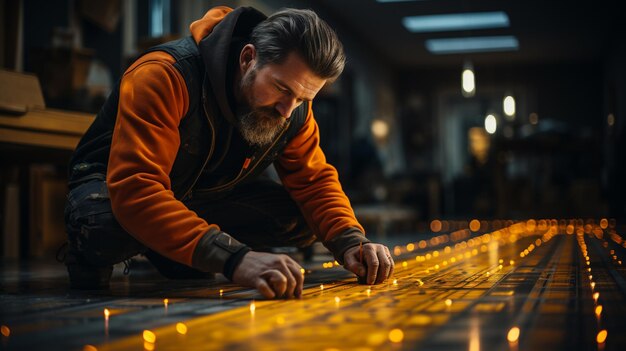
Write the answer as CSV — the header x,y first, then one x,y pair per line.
x,y
305,33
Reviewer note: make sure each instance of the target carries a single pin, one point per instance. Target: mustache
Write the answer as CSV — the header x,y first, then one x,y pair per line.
x,y
268,113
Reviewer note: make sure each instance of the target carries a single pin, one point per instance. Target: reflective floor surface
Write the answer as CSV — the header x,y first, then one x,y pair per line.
x,y
490,285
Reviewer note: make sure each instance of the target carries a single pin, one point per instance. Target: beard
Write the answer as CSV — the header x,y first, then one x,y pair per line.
x,y
258,125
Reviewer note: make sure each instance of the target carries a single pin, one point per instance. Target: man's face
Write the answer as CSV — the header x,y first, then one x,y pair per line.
x,y
271,93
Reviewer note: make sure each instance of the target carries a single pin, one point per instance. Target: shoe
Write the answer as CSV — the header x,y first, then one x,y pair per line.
x,y
85,276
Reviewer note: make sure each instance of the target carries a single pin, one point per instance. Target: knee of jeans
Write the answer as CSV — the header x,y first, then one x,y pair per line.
x,y
101,240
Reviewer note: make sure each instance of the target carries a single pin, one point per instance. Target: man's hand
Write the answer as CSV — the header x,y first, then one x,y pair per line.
x,y
377,262
273,275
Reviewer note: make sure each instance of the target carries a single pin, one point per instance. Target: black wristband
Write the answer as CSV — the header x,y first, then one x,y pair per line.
x,y
233,261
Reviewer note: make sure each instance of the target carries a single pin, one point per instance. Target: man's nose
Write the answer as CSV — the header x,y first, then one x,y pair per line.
x,y
286,106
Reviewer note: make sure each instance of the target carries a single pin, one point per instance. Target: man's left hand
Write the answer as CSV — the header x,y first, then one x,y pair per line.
x,y
377,263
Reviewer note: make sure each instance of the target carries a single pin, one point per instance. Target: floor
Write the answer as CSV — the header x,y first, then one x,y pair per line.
x,y
533,285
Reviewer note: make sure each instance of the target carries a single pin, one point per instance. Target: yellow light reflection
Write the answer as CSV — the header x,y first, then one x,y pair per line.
x,y
89,348
513,334
396,335
252,307
448,302
598,310
181,328
148,346
435,226
5,331
601,338
474,225
107,313
596,296
149,336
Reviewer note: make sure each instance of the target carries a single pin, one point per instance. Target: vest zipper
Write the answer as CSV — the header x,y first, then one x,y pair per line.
x,y
246,164
211,149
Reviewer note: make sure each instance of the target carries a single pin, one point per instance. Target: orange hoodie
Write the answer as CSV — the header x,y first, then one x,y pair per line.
x,y
153,99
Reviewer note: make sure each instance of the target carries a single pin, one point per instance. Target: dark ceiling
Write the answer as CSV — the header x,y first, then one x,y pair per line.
x,y
548,31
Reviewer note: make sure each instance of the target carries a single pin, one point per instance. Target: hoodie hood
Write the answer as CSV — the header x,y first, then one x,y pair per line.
x,y
214,33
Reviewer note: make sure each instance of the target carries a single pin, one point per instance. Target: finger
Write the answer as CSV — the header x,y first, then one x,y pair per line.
x,y
352,264
291,280
385,266
296,270
371,258
264,289
277,281
393,263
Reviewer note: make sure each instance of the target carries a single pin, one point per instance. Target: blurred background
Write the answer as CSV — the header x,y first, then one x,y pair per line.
x,y
447,110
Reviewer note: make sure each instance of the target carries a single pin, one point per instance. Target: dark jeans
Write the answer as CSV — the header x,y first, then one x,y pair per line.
x,y
260,214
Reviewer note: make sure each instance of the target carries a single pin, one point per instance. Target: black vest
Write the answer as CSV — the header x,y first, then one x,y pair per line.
x,y
200,129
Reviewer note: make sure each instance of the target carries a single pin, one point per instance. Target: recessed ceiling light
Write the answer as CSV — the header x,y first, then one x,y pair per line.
x,y
456,21
472,44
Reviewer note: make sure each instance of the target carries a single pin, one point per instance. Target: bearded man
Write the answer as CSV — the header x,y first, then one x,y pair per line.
x,y
172,166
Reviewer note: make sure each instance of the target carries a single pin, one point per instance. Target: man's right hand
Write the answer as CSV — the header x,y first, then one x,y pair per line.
x,y
273,275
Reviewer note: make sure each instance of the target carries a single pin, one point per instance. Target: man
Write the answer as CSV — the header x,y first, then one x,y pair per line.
x,y
171,166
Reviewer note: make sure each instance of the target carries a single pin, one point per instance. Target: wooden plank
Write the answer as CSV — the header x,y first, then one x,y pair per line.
x,y
25,137
50,120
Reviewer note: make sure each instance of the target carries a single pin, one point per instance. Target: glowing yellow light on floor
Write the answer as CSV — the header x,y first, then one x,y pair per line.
x,y
181,328
589,269
593,285
596,296
513,334
604,223
149,336
148,346
598,310
165,302
396,335
405,264
89,348
491,124
420,282
5,331
435,226
448,302
395,282
436,266
221,292
368,292
474,225
321,286
512,262
601,338
106,313
280,320
508,105
252,307
337,300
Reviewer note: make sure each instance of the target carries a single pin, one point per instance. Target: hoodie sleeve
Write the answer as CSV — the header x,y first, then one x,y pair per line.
x,y
314,185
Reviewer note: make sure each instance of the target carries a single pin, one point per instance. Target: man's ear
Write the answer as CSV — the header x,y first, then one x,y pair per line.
x,y
247,57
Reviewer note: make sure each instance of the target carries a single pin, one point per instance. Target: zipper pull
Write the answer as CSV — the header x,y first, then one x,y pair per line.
x,y
246,163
